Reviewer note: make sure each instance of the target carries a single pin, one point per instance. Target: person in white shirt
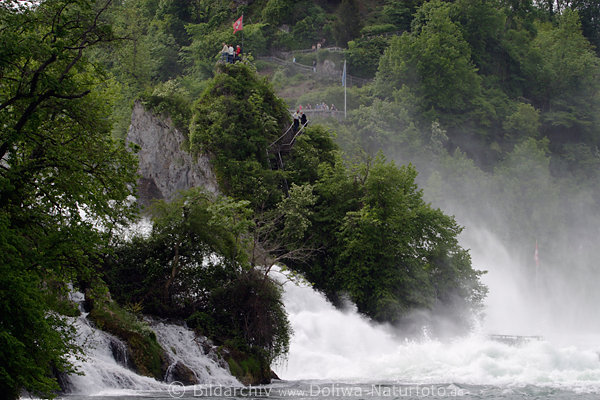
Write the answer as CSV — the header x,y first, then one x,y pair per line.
x,y
296,117
230,52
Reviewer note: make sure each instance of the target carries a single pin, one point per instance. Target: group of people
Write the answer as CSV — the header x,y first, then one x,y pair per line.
x,y
319,44
322,107
231,55
299,118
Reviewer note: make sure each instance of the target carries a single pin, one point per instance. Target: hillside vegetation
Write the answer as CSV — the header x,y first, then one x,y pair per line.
x,y
491,106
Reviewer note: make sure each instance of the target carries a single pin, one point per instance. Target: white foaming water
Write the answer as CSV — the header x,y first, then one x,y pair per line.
x,y
182,345
103,375
331,344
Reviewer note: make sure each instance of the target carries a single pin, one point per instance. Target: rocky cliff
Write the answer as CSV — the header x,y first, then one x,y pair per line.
x,y
165,166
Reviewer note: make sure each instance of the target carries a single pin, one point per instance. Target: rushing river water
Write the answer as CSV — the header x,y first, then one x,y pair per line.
x,y
320,390
339,354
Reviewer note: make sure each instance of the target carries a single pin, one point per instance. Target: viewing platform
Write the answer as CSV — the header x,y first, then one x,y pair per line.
x,y
515,340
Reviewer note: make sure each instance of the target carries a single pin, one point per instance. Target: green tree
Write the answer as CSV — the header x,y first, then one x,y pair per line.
x,y
347,23
64,182
482,23
198,264
434,61
363,56
278,12
383,246
589,12
524,178
310,30
397,252
399,13
524,121
386,126
567,86
235,120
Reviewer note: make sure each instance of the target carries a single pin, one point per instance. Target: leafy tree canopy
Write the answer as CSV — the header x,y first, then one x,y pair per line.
x,y
391,252
235,120
64,182
198,264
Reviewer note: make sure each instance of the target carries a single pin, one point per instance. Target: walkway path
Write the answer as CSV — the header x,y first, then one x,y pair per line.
x,y
307,69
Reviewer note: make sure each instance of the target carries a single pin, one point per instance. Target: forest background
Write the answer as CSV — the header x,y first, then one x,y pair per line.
x,y
491,106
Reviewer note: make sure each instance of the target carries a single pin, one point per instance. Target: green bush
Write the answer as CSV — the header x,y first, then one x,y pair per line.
x,y
170,100
372,30
234,120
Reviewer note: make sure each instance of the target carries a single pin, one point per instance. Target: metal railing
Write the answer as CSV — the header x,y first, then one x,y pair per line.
x,y
350,80
286,146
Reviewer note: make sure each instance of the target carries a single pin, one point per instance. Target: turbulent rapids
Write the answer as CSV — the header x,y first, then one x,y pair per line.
x,y
517,345
340,350
106,367
342,346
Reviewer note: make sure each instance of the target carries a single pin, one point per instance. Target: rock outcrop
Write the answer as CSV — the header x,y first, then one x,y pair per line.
x,y
165,166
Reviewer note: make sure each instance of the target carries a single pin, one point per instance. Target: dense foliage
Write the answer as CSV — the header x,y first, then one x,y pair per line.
x,y
235,119
63,181
490,77
495,103
372,236
196,265
384,248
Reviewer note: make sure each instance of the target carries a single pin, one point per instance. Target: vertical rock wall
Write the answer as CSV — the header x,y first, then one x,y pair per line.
x,y
164,166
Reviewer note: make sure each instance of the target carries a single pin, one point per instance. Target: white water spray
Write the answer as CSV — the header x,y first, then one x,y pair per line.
x,y
183,346
106,370
102,373
330,344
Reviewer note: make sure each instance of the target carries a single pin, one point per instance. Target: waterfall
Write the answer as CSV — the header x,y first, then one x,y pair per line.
x,y
341,345
183,347
106,367
332,344
102,372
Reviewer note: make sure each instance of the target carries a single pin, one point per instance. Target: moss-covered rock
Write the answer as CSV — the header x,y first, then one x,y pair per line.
x,y
250,367
147,356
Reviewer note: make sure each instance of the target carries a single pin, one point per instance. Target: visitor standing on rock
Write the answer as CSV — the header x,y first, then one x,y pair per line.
x,y
224,52
230,54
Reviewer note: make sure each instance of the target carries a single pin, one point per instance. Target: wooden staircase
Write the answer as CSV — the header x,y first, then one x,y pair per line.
x,y
284,145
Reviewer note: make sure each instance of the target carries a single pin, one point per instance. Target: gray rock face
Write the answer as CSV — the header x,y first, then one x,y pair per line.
x,y
165,167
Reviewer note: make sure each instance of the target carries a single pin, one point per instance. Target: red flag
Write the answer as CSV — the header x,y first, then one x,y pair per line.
x,y
535,255
238,25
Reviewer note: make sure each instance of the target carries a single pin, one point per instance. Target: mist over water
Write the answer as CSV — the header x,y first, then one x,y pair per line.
x,y
341,345
329,345
552,300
